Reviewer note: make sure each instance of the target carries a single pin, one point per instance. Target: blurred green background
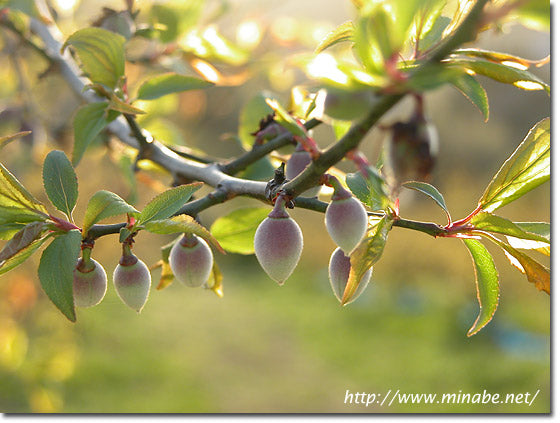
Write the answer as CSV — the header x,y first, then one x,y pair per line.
x,y
264,348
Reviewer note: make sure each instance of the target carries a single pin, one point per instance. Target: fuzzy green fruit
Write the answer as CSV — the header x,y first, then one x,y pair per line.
x,y
348,105
339,271
191,261
89,287
278,245
296,164
346,221
132,281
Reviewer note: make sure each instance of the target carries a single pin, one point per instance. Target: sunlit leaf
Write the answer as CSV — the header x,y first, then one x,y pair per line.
x,y
60,181
343,32
21,255
496,57
435,34
215,281
236,230
104,204
536,273
491,223
17,205
101,53
169,83
56,270
182,224
527,168
471,88
121,106
89,121
431,192
487,284
366,254
371,191
534,14
174,19
285,119
22,239
167,203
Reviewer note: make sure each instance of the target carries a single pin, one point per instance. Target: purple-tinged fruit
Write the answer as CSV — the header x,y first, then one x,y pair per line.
x,y
132,281
346,220
339,271
191,260
90,283
278,243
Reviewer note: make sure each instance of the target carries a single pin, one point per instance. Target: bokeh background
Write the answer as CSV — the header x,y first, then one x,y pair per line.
x,y
263,348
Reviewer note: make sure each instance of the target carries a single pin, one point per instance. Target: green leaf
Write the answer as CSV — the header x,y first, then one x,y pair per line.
x,y
341,127
5,140
21,255
371,191
89,121
495,56
536,273
365,50
170,83
101,54
182,224
343,32
491,223
534,14
60,181
487,284
432,33
28,7
285,119
527,168
431,192
539,228
56,271
16,203
124,233
261,170
167,203
22,239
104,204
471,88
499,72
8,230
121,106
366,254
235,231
250,116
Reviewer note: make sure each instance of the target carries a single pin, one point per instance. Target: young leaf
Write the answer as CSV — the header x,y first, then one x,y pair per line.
x,y
491,223
182,224
527,168
343,32
101,53
104,204
16,203
471,88
536,273
236,230
56,271
215,281
167,203
89,121
499,72
371,191
120,106
285,119
167,277
21,240
366,254
169,83
21,255
431,192
487,284
8,138
60,181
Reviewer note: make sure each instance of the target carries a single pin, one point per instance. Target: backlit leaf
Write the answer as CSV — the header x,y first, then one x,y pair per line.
x,y
487,284
121,106
16,203
21,240
431,192
104,204
21,255
343,32
169,83
60,181
527,168
236,230
471,88
168,203
491,223
250,116
371,191
89,121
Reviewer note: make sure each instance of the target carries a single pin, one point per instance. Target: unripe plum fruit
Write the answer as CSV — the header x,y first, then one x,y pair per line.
x,y
296,164
191,260
278,245
348,105
132,281
89,286
339,271
346,220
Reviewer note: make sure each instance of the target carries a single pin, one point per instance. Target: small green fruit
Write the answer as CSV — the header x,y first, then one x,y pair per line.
x,y
191,261
346,220
348,105
90,285
296,164
278,245
132,281
339,271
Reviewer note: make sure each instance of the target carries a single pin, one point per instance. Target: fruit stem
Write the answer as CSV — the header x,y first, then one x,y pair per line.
x,y
339,192
189,240
279,211
85,264
128,258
